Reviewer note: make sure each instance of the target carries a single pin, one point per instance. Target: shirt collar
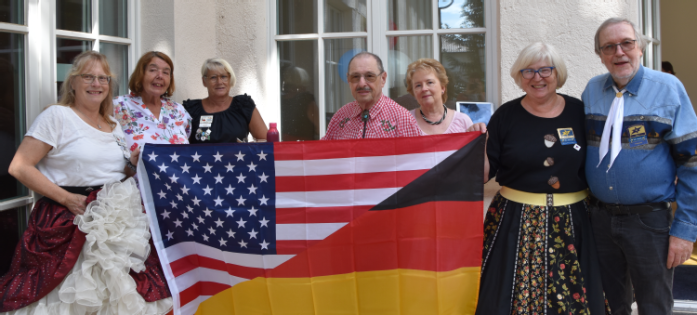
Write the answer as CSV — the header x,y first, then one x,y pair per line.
x,y
374,111
633,85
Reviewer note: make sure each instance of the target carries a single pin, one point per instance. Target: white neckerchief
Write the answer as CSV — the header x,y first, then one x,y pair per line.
x,y
614,122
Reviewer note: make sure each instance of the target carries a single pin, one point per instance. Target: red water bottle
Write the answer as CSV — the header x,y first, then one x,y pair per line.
x,y
272,134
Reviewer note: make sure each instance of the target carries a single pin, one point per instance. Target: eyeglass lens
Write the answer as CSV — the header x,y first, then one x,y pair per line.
x,y
612,48
369,77
223,78
530,73
89,78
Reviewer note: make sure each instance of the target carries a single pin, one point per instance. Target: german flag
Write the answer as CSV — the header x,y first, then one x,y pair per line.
x,y
415,251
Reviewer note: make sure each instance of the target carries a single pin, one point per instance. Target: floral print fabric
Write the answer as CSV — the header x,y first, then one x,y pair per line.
x,y
141,126
547,274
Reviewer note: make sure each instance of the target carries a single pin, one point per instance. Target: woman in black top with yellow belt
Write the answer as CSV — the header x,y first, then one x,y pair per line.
x,y
539,254
221,118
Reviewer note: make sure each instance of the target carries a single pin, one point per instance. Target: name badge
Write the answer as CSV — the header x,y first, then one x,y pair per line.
x,y
566,136
206,121
637,135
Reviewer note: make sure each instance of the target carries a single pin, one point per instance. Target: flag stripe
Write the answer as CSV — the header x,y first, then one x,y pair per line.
x,y
190,278
319,214
360,165
308,231
201,288
333,198
189,263
347,181
314,150
184,249
192,306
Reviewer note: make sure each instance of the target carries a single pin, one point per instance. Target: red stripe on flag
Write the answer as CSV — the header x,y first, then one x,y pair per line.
x,y
346,181
188,263
317,150
293,247
319,214
436,236
201,288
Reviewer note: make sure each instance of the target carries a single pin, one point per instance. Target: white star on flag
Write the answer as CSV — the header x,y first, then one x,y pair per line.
x,y
219,179
230,212
262,156
252,167
162,194
177,222
264,245
197,180
240,156
240,179
241,223
207,190
230,190
253,212
218,157
252,234
240,201
207,212
229,167
219,201
196,157
175,157
163,168
264,222
185,168
165,214
263,177
208,168
263,200
152,156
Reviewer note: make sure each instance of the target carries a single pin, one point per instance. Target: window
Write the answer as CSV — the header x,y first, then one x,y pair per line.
x,y
313,41
650,26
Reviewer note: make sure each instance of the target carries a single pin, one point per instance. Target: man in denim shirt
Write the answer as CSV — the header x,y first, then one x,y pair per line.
x,y
642,133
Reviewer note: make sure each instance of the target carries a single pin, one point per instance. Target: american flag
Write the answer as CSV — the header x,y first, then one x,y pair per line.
x,y
223,214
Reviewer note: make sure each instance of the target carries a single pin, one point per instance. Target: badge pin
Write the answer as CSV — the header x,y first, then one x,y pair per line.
x,y
577,147
566,136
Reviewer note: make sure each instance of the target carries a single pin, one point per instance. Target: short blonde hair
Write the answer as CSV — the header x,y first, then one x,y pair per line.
x,y
535,52
81,63
218,64
432,65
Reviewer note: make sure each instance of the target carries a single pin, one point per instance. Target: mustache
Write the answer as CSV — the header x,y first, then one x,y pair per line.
x,y
365,88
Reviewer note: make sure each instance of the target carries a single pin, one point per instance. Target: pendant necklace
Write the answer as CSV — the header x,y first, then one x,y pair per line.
x,y
92,121
445,113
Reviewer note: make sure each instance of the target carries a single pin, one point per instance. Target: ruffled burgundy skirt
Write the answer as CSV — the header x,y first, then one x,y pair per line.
x,y
48,252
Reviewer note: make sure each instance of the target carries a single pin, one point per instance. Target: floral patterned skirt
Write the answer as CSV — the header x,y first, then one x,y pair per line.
x,y
539,260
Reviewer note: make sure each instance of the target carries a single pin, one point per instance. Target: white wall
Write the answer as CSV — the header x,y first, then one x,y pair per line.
x,y
567,25
235,30
677,46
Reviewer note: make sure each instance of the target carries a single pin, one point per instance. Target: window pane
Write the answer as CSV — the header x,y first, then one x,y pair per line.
x,y
299,86
406,49
464,59
345,16
410,15
12,109
12,11
461,13
11,225
297,16
113,17
117,55
66,51
74,15
338,53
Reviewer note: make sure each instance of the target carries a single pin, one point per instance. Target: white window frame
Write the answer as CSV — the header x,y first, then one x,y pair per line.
x,y
377,43
40,34
649,15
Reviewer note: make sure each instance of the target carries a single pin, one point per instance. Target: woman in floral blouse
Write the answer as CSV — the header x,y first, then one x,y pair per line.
x,y
147,115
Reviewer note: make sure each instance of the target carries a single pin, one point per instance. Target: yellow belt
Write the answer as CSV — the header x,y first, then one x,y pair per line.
x,y
537,199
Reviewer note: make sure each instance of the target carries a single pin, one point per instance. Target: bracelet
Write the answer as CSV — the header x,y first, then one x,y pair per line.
x,y
131,166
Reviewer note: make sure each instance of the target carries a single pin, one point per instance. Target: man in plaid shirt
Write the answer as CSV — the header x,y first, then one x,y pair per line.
x,y
372,114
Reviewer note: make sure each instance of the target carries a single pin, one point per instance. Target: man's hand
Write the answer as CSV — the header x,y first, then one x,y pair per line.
x,y
678,252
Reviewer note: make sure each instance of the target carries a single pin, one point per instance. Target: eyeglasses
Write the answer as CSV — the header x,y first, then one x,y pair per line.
x,y
369,77
530,73
89,78
214,78
626,45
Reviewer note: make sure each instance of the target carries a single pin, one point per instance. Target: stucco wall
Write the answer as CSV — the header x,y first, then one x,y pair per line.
x,y
677,17
567,25
235,30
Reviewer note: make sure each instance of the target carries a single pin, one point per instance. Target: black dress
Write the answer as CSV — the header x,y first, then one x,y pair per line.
x,y
537,259
228,125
